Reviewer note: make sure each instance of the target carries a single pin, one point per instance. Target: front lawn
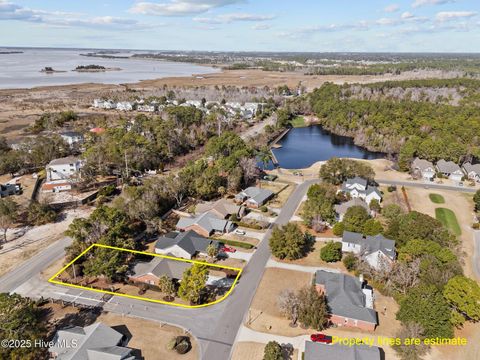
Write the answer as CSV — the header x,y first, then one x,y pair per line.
x,y
448,218
437,198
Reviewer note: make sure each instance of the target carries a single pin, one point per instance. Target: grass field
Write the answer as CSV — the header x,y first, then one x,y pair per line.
x,y
437,198
448,218
298,121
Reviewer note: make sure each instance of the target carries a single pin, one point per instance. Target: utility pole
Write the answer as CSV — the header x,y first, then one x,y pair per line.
x,y
126,164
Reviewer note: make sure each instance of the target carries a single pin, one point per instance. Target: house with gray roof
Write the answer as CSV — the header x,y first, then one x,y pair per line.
x,y
149,272
317,351
254,197
185,245
94,342
472,171
350,300
450,169
205,224
358,187
223,208
341,209
423,168
377,250
72,137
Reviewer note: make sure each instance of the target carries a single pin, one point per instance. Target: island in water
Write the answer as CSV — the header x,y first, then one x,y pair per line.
x,y
51,70
94,68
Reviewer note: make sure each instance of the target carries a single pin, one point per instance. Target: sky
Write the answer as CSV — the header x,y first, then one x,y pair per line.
x,y
245,25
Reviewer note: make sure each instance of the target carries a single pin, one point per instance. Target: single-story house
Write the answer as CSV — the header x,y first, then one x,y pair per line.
x,y
423,168
349,299
10,189
184,244
358,187
450,170
205,224
150,272
341,209
472,171
254,197
317,351
94,342
376,250
223,208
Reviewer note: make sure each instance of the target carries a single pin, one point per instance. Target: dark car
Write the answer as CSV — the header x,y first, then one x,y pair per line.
x,y
321,338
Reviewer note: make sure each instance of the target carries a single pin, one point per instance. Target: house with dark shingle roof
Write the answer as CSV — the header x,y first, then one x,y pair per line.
x,y
450,170
358,187
349,300
254,197
184,244
317,351
94,342
205,224
377,250
149,272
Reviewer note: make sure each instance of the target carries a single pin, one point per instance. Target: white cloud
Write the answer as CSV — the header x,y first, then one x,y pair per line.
x,y
386,21
454,15
407,15
391,8
261,27
418,3
180,7
229,18
11,11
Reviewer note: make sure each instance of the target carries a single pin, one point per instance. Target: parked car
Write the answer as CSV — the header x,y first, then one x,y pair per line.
x,y
228,249
322,338
240,232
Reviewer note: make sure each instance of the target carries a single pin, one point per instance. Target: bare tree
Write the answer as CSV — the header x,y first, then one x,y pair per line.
x,y
249,167
404,276
407,350
288,304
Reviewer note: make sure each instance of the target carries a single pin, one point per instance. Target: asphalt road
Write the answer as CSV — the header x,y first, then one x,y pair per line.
x,y
215,327
426,185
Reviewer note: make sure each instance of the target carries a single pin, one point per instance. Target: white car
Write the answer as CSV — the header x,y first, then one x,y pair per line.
x,y
240,232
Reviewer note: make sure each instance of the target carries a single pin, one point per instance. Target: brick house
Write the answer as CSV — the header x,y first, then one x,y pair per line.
x,y
349,300
205,224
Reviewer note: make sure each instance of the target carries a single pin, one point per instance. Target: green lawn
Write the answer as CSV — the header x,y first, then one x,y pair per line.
x,y
448,218
437,198
298,121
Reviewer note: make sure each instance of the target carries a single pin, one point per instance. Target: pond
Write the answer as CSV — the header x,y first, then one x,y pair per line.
x,y
302,147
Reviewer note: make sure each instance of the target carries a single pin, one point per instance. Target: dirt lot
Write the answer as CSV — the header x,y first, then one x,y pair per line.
x,y
264,313
283,191
35,240
313,259
252,351
27,182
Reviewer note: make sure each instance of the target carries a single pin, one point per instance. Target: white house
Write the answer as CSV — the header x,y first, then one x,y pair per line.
x,y
104,104
358,187
72,137
64,168
146,108
472,171
124,106
375,250
450,170
424,168
184,245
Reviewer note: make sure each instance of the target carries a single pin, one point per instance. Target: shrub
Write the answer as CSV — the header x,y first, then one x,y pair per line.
x,y
108,190
391,188
263,208
350,262
273,351
338,229
183,345
476,226
331,252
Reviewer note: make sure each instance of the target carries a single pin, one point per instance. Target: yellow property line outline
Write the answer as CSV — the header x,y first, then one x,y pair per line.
x,y
53,281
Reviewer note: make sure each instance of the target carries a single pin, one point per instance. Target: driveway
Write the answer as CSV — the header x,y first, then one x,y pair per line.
x,y
476,254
